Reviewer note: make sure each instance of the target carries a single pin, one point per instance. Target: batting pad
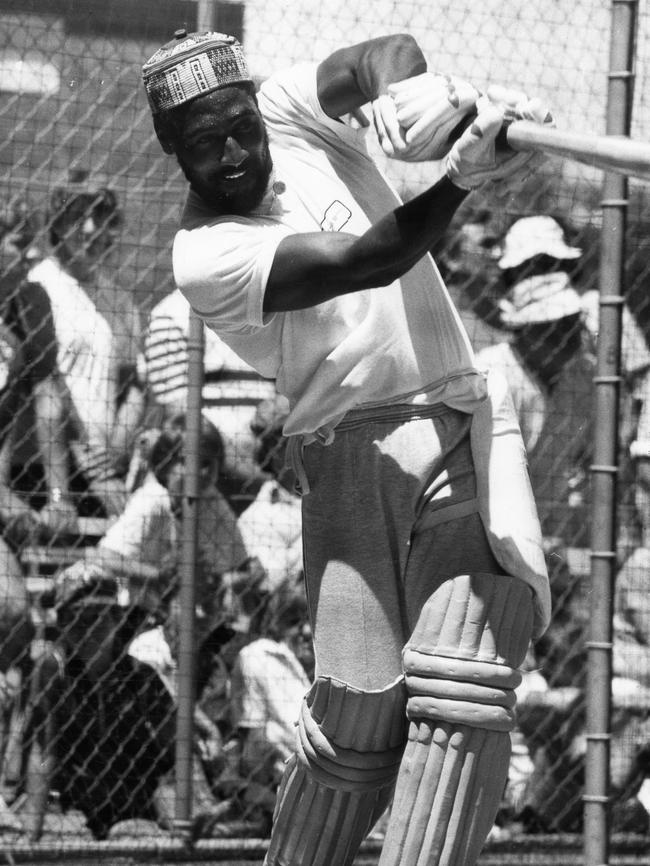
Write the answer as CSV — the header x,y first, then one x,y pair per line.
x,y
342,777
460,670
319,826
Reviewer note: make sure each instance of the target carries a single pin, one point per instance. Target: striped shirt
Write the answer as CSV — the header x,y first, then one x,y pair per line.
x,y
228,381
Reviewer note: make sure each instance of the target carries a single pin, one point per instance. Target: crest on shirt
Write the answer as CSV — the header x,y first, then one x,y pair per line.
x,y
336,216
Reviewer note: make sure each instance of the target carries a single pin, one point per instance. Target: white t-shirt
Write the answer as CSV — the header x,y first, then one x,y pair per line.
x,y
399,343
146,530
86,360
268,686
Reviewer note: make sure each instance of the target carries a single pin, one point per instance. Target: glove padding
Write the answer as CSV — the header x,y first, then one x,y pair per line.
x,y
476,159
416,117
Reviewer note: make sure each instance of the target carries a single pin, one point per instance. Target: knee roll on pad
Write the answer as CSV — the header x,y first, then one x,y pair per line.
x,y
460,691
349,739
458,662
460,673
341,779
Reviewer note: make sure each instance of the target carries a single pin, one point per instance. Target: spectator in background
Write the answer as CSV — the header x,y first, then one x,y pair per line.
x,y
224,571
142,548
27,369
103,401
139,546
231,392
548,359
536,253
103,727
270,676
271,526
221,549
553,721
549,366
28,350
467,261
545,357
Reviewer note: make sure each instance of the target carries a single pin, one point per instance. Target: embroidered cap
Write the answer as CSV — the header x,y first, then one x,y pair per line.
x,y
190,65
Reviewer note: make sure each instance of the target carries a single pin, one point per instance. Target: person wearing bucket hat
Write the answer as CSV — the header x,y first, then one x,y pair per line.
x,y
295,249
549,361
544,354
535,236
549,365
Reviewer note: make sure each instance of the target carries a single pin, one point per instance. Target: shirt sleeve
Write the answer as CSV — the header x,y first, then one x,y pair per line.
x,y
222,269
289,101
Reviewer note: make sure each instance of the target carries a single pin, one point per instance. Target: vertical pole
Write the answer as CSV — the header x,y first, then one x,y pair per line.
x,y
605,468
186,650
189,545
205,15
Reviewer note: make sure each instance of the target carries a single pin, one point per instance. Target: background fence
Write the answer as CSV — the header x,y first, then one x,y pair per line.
x,y
74,121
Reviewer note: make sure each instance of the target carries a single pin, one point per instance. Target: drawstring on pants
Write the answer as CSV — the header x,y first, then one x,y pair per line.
x,y
294,456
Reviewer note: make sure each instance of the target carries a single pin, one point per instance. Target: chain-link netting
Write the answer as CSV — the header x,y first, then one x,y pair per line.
x,y
93,423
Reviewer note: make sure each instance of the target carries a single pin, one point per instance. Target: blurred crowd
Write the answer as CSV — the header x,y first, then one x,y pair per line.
x,y
93,431
531,309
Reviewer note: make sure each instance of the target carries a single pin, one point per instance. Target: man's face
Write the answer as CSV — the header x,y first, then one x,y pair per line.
x,y
208,475
88,231
471,256
223,150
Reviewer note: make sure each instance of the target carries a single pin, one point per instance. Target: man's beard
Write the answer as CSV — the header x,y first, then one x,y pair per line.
x,y
238,202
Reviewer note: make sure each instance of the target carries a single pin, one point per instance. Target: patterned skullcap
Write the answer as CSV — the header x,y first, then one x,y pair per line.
x,y
190,65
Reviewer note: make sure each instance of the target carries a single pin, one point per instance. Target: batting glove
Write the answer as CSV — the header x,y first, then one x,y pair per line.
x,y
415,120
476,158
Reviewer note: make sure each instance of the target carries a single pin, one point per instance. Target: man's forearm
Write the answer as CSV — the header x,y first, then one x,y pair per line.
x,y
395,243
310,269
51,434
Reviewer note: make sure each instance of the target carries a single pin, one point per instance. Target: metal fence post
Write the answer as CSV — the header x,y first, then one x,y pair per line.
x,y
606,458
205,15
186,650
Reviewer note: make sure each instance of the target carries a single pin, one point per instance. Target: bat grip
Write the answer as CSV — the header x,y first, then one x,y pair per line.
x,y
466,122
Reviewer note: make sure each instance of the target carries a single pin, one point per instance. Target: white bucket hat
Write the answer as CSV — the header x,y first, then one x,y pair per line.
x,y
535,236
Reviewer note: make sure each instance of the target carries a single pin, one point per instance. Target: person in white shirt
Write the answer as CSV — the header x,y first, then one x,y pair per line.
x,y
232,390
422,550
269,681
102,416
271,526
